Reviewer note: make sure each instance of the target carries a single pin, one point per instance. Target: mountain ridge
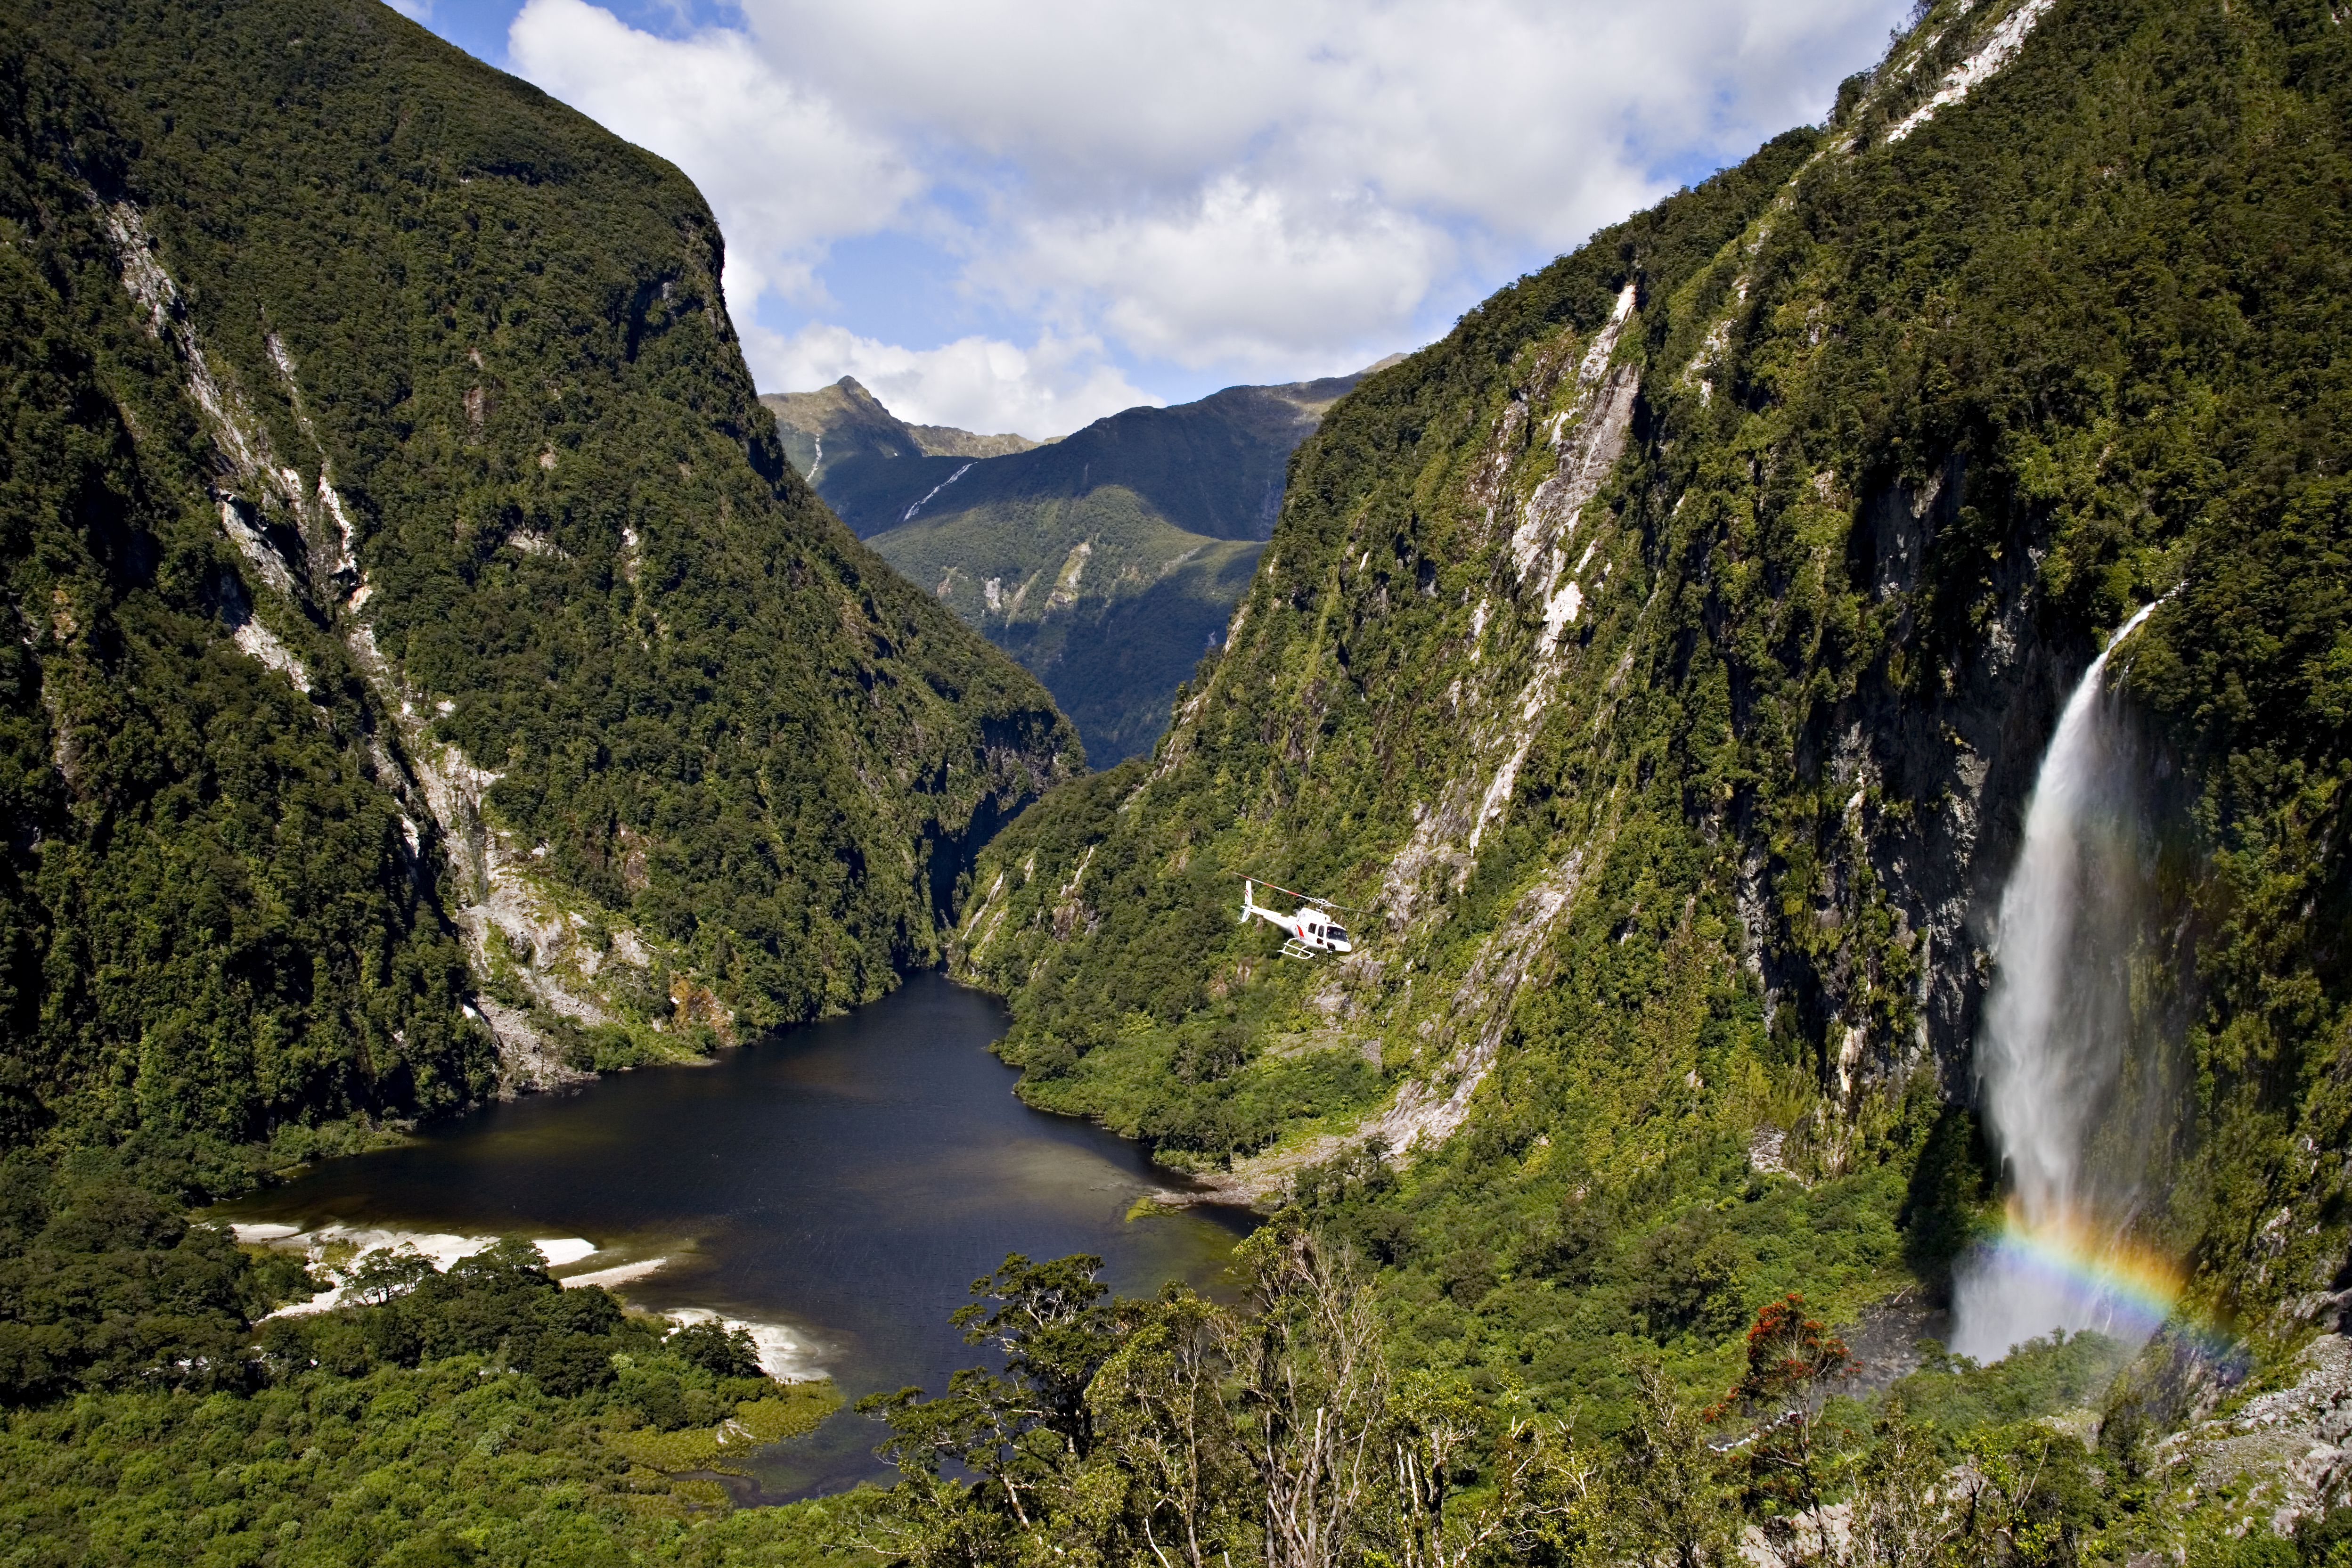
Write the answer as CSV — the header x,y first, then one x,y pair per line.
x,y
1667,655
410,608
1107,561
858,425
596,699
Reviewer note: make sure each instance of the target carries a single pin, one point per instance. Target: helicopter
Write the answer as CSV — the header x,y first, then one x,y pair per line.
x,y
1311,929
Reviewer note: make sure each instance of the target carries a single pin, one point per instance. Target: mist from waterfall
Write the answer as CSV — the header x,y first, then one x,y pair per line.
x,y
2052,1050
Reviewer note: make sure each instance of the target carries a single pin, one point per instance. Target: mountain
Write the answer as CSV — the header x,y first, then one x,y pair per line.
x,y
1212,468
425,673
1662,664
1715,678
1108,561
854,420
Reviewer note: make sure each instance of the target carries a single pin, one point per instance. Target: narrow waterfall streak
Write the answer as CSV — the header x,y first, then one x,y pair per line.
x,y
2051,1048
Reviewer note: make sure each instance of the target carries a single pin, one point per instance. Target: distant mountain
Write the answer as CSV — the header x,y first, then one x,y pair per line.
x,y
1107,562
852,422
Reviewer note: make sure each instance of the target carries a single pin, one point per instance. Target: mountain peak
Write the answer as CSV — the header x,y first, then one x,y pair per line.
x,y
845,419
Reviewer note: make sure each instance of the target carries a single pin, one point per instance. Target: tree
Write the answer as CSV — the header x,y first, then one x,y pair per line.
x,y
1183,1433
1479,1478
1312,1390
2023,1494
1160,1414
1027,1431
385,1274
717,1349
1903,1515
1667,1499
1793,1361
1050,1324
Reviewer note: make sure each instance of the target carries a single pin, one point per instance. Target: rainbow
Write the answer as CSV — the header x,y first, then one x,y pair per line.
x,y
2069,1276
2136,1288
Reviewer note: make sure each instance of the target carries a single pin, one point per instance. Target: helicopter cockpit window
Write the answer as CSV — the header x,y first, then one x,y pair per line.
x,y
1337,933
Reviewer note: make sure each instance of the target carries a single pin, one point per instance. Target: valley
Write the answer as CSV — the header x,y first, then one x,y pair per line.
x,y
1826,708
1108,561
460,632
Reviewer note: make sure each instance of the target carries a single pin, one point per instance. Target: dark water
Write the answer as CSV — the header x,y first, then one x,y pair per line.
x,y
847,1180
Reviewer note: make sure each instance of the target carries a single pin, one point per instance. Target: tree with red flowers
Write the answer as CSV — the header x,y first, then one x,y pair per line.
x,y
1794,1363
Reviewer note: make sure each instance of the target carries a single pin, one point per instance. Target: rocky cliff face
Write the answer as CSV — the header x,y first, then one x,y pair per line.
x,y
384,449
1660,663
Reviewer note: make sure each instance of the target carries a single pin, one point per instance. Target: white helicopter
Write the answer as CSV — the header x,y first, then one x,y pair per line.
x,y
1310,928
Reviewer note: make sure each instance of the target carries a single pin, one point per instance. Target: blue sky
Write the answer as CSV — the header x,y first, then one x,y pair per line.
x,y
1028,213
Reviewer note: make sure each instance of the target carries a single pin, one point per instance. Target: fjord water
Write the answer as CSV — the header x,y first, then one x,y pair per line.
x,y
846,1180
2053,1047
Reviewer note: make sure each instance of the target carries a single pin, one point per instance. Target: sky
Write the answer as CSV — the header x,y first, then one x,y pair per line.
x,y
1024,215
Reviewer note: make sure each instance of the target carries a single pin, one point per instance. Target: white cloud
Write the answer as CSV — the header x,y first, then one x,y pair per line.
x,y
1241,276
785,172
1269,190
1532,117
1051,388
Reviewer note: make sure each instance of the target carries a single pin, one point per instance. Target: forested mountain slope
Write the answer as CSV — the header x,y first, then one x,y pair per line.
x,y
1662,661
1108,561
421,662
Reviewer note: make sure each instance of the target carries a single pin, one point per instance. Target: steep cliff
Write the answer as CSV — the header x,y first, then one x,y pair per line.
x,y
425,666
1660,663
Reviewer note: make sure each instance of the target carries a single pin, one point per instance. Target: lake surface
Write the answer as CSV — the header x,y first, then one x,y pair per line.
x,y
844,1180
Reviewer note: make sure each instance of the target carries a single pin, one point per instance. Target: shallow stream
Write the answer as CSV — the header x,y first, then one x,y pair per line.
x,y
839,1186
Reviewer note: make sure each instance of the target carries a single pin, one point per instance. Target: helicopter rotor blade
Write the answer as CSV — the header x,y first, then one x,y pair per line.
x,y
1292,892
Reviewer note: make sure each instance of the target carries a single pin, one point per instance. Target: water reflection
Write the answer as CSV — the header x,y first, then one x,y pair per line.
x,y
847,1180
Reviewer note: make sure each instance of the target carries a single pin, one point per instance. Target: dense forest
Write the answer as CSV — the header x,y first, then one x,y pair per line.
x,y
425,679
428,670
1661,664
425,666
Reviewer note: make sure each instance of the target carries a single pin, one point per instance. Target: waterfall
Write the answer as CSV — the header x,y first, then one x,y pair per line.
x,y
2050,1051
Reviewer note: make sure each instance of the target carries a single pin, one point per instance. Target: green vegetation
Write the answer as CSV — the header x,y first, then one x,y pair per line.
x,y
1667,686
1106,563
1286,1431
209,919
402,573
486,1413
1097,594
455,1463
489,1414
1660,662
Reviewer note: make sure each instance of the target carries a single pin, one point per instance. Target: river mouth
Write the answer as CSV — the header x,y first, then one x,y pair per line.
x,y
839,1185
